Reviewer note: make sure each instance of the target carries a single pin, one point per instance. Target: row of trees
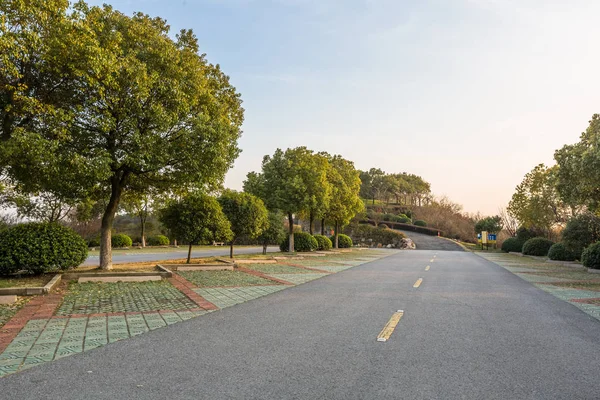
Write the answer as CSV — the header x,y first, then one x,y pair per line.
x,y
549,196
96,106
316,186
406,189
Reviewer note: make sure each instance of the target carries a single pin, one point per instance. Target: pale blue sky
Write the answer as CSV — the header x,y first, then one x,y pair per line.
x,y
469,94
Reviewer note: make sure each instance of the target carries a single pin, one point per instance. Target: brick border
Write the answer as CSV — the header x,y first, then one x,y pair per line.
x,y
264,276
187,288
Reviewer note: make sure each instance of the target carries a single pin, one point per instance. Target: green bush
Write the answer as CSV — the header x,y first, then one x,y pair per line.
x,y
303,241
580,232
323,242
524,234
591,256
121,240
512,245
560,252
370,235
158,240
40,247
404,220
344,241
420,222
95,242
537,246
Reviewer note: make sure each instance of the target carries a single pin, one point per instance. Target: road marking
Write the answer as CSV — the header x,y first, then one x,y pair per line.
x,y
388,329
418,283
427,268
431,260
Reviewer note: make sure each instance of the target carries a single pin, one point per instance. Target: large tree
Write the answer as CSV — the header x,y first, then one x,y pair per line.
x,y
195,218
536,203
285,183
345,200
148,109
246,213
578,174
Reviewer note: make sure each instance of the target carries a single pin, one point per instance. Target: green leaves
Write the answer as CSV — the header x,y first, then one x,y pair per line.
x,y
246,213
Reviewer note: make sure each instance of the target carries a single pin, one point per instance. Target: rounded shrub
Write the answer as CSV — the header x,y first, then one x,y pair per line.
x,y
420,222
121,240
560,252
94,242
537,246
344,241
404,220
323,242
384,226
303,241
591,256
580,232
158,240
512,245
40,247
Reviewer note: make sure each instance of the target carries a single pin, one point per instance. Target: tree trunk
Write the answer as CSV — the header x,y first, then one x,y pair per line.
x,y
264,249
189,258
143,224
373,200
108,218
231,249
311,217
323,226
337,245
291,231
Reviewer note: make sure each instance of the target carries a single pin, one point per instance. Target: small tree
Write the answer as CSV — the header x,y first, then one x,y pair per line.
x,y
246,213
194,218
489,224
274,233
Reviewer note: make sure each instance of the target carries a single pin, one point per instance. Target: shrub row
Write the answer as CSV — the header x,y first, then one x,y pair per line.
x,y
409,227
40,247
304,241
365,233
537,246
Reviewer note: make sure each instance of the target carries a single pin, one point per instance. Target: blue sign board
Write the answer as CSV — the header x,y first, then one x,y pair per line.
x,y
491,237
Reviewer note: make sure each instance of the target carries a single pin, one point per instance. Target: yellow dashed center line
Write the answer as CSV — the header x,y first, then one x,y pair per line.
x,y
388,329
431,260
427,268
418,283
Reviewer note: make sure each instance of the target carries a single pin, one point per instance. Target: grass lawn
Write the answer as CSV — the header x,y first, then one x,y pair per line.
x,y
594,286
26,281
223,278
277,269
8,310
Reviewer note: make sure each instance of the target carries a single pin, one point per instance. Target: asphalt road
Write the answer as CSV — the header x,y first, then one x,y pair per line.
x,y
427,242
132,256
472,330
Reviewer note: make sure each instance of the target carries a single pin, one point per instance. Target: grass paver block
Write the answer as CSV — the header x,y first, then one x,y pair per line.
x,y
227,297
93,298
298,278
223,278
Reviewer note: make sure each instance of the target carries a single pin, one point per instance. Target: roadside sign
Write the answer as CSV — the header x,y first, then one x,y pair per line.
x,y
484,237
492,238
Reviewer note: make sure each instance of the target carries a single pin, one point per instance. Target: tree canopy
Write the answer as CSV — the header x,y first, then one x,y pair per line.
x,y
96,103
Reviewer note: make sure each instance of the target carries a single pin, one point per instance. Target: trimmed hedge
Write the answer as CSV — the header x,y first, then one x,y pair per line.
x,y
158,240
40,247
121,240
591,256
323,242
512,245
344,241
538,246
368,234
303,241
420,222
560,252
410,227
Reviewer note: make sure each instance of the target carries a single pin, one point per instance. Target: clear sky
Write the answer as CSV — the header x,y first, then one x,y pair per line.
x,y
469,94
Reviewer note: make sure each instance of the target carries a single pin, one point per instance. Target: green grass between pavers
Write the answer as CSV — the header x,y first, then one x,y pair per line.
x,y
569,274
223,278
96,297
7,311
26,281
593,286
277,269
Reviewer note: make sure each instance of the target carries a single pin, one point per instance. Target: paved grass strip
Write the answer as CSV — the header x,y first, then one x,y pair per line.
x,y
227,297
223,278
277,269
298,278
7,311
94,298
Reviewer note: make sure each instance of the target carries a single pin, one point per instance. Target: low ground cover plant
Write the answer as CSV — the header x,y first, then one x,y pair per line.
x,y
367,234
